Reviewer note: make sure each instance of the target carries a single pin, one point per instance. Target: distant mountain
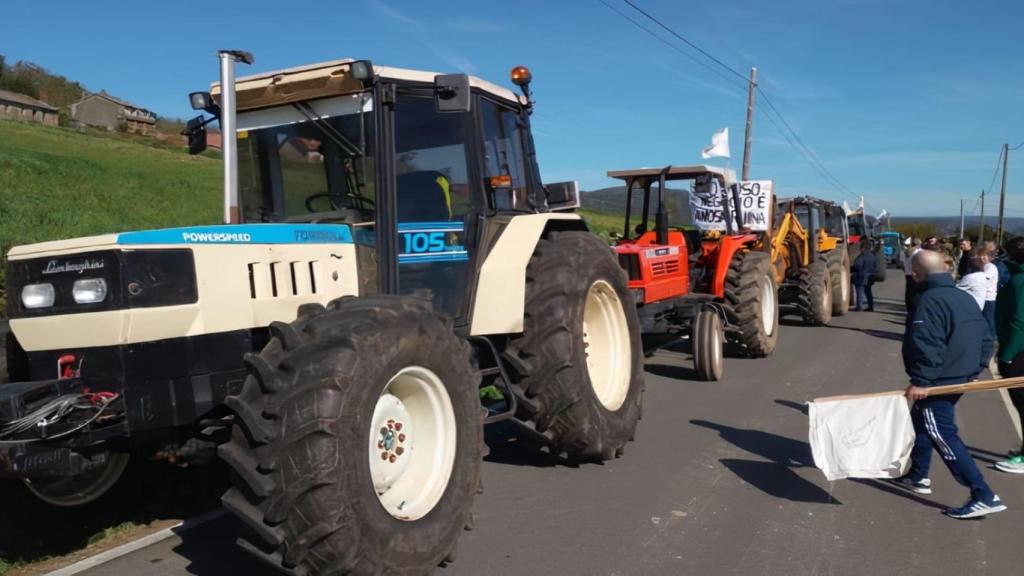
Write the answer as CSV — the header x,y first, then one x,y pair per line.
x,y
950,225
613,201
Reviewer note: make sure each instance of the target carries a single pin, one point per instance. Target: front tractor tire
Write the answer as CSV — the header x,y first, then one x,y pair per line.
x,y
357,440
753,302
580,353
816,292
707,338
839,271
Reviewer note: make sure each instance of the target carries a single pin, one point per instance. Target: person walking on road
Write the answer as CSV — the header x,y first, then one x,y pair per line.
x,y
863,271
946,342
1010,330
908,295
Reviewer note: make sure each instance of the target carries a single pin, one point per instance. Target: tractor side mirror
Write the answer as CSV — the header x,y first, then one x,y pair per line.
x,y
451,93
563,195
195,130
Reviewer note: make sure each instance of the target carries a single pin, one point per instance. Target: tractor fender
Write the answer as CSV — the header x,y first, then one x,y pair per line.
x,y
500,297
727,248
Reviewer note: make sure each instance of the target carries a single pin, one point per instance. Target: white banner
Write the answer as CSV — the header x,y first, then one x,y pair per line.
x,y
756,204
755,197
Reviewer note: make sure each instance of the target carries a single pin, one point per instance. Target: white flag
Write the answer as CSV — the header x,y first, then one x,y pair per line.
x,y
869,436
719,145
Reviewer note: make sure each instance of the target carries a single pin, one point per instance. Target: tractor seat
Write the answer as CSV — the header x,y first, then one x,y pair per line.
x,y
694,245
423,196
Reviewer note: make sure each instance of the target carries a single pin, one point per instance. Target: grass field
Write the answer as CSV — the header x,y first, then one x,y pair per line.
x,y
601,223
62,183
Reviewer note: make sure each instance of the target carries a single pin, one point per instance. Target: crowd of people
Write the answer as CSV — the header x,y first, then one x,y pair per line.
x,y
963,309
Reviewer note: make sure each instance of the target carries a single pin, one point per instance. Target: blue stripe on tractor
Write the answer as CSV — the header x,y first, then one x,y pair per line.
x,y
433,257
442,226
243,234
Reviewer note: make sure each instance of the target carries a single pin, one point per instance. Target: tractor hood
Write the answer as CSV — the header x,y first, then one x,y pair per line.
x,y
220,234
176,282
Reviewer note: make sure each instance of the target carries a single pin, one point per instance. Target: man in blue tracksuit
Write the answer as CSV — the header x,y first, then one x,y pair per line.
x,y
947,341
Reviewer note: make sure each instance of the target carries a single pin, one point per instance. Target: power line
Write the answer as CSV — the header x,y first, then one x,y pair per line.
x,y
995,173
693,58
688,43
792,138
807,152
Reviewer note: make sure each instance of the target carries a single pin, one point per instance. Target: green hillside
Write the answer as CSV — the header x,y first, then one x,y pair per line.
x,y
62,183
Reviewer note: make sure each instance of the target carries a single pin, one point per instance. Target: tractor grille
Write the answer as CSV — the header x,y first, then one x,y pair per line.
x,y
664,268
631,264
282,279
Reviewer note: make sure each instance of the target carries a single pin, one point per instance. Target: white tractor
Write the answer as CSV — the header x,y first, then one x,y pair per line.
x,y
389,250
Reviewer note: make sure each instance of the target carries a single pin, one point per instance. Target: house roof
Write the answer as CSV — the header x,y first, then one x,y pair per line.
x,y
15,98
115,100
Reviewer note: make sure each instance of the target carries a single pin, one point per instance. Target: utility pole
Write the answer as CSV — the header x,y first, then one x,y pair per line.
x,y
750,123
961,218
1002,196
981,231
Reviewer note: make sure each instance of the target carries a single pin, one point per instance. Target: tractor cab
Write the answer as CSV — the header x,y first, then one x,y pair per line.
x,y
413,163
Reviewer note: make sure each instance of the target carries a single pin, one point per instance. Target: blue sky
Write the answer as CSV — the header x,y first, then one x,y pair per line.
x,y
906,101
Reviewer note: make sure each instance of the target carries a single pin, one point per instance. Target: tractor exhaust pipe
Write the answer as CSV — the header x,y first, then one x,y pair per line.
x,y
229,146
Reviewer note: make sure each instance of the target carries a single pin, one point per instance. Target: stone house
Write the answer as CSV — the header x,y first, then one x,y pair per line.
x,y
101,110
22,107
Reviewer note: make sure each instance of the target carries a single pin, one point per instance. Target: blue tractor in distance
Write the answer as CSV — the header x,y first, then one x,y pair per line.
x,y
892,247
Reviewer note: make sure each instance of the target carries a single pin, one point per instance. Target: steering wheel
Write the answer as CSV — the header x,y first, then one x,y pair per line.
x,y
367,204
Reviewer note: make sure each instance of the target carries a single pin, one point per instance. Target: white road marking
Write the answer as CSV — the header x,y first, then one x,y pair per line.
x,y
135,545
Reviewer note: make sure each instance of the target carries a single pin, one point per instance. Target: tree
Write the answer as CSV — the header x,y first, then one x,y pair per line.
x,y
3,65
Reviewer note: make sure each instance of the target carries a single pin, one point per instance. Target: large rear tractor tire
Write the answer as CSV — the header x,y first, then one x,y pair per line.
x,y
357,440
816,290
708,338
839,270
580,352
753,300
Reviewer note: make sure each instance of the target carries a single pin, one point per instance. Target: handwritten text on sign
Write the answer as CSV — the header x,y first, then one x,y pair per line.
x,y
755,200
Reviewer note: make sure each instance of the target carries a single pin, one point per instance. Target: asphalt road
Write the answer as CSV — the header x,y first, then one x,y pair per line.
x,y
719,481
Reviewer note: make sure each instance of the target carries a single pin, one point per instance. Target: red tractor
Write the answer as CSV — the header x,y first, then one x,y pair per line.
x,y
714,286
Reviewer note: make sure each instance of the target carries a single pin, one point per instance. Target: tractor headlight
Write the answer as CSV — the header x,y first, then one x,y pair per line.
x,y
37,295
88,290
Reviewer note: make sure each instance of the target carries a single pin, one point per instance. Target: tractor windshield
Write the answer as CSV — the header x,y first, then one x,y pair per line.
x,y
308,161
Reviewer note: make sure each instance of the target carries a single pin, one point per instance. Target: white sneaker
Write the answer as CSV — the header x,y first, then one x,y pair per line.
x,y
1015,465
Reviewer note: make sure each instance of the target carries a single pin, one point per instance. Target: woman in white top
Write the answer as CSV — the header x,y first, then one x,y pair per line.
x,y
988,310
974,281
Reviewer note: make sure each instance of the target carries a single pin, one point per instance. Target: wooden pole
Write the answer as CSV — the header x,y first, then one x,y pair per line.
x,y
978,386
1002,196
748,135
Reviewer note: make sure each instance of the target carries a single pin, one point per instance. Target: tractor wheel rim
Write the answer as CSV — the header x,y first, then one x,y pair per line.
x,y
844,283
83,488
412,443
716,348
768,306
606,344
